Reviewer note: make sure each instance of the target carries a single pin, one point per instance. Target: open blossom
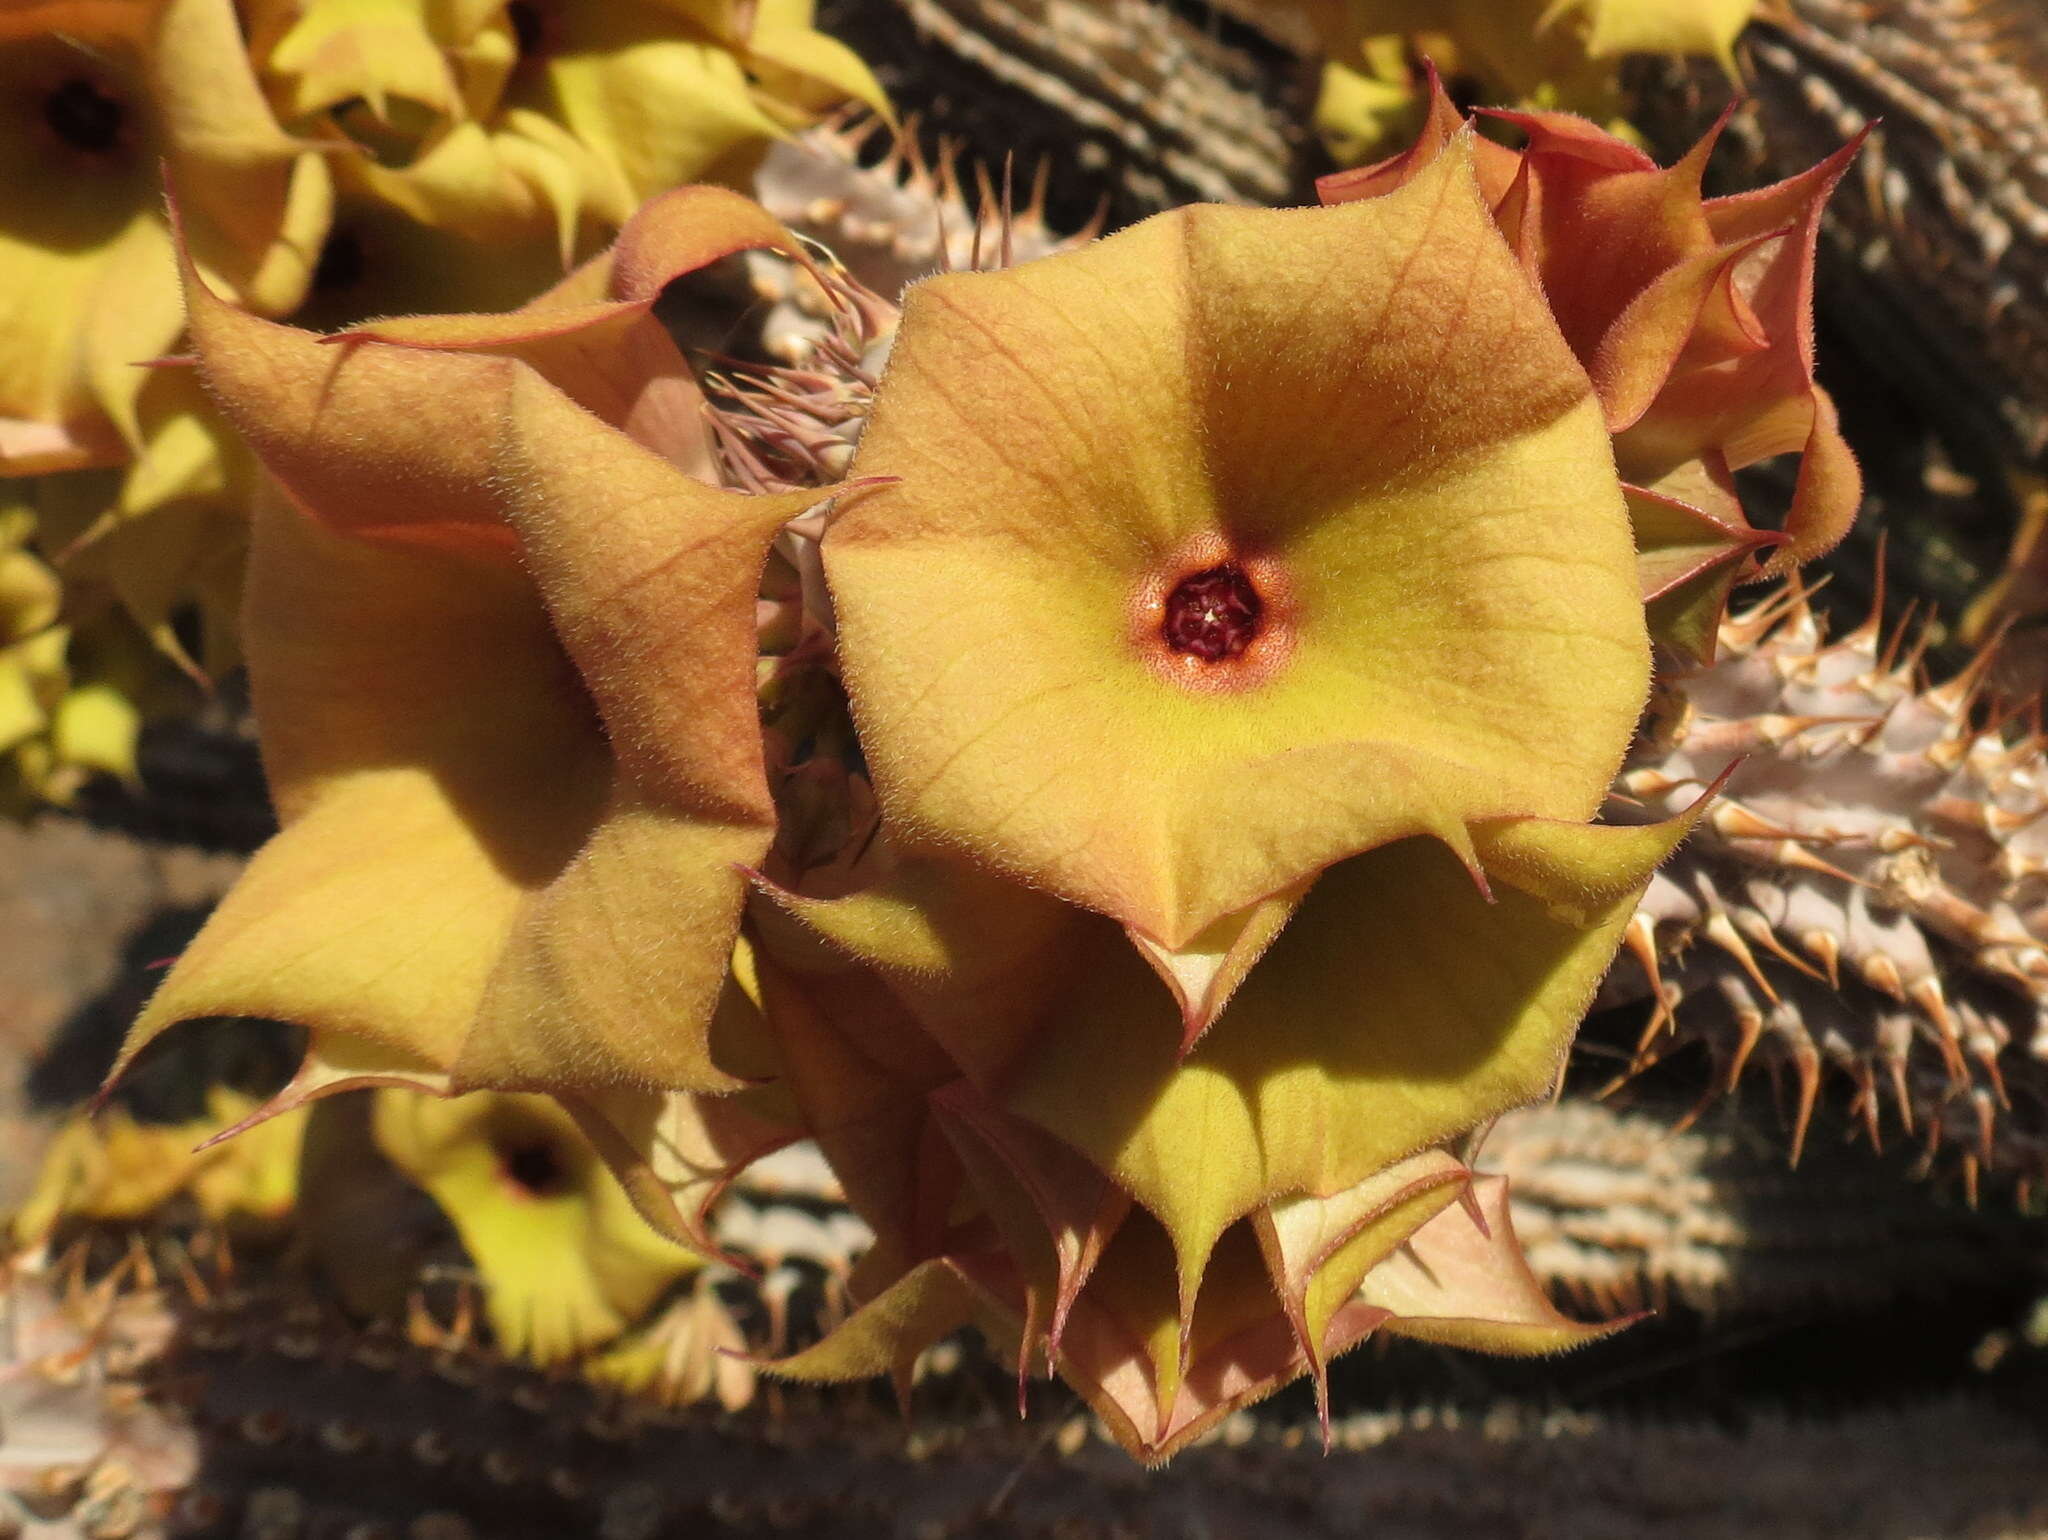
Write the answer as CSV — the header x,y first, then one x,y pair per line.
x,y
1553,53
1241,636
1335,555
1694,318
93,98
112,1165
332,161
157,543
97,103
565,1262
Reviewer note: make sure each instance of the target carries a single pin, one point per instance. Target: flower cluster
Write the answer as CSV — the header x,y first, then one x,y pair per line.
x,y
331,160
1139,822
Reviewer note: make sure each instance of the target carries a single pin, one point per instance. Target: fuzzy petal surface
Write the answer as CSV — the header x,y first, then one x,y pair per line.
x,y
1399,1009
1373,416
1465,1286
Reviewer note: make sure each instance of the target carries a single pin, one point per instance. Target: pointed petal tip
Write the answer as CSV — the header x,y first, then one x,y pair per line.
x,y
759,880
1468,1200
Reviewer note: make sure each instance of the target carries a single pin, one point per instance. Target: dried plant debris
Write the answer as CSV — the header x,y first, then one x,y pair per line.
x,y
83,1450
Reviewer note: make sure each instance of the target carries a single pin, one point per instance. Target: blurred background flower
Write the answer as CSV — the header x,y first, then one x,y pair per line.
x,y
1545,55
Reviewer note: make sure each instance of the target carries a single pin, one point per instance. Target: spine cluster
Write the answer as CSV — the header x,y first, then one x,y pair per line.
x,y
1865,902
879,228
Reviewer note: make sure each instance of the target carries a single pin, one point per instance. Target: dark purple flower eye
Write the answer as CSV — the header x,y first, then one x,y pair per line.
x,y
1213,615
84,117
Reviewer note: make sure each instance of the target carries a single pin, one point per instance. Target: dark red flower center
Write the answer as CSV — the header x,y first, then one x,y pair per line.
x,y
535,1168
529,27
1213,614
84,117
342,261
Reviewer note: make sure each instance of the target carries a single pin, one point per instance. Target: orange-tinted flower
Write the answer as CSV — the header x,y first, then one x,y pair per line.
x,y
1694,317
1258,539
502,654
1174,1240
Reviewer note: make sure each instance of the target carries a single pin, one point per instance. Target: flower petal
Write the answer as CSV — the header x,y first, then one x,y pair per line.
x,y
1319,1250
1158,1377
1399,1009
391,939
863,1076
1069,1210
1205,973
973,957
885,1335
610,355
1470,1287
1688,561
